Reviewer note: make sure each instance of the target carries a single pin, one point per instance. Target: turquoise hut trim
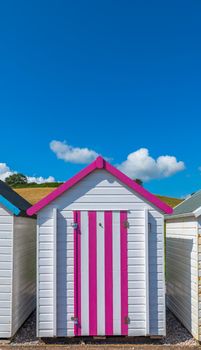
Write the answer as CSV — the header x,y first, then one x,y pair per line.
x,y
12,208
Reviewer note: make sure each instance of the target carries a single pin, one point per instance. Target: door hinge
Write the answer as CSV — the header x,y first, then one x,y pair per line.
x,y
126,224
74,225
127,320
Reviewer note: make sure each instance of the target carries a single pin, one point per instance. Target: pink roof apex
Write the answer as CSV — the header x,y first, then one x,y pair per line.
x,y
100,163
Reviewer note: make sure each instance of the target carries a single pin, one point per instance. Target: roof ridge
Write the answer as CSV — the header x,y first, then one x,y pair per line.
x,y
189,205
188,198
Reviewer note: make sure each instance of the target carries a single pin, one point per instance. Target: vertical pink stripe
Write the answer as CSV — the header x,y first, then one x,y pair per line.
x,y
108,275
75,271
92,274
77,274
124,273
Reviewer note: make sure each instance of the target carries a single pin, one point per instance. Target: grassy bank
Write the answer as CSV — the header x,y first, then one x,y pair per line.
x,y
34,194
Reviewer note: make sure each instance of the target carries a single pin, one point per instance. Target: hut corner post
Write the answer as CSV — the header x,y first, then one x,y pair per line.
x,y
146,242
54,272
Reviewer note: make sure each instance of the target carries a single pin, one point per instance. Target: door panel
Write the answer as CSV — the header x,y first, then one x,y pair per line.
x,y
100,273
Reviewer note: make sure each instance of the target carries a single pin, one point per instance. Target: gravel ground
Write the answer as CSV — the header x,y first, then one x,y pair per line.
x,y
27,333
176,335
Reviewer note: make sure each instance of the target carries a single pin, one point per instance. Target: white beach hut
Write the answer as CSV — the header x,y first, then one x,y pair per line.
x,y
17,261
183,230
100,265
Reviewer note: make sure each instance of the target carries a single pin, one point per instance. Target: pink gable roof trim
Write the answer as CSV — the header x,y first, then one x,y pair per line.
x,y
100,163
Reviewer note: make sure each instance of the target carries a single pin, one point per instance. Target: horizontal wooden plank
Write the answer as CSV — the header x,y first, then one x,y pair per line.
x,y
45,301
45,325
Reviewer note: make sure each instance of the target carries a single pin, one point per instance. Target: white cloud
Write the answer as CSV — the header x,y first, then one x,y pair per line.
x,y
140,164
40,179
72,154
5,171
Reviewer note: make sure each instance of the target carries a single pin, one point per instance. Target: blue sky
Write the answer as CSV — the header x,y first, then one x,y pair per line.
x,y
114,77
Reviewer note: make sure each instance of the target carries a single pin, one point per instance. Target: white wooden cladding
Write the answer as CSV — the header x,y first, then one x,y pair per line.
x,y
146,249
17,271
97,192
24,270
55,272
6,247
183,271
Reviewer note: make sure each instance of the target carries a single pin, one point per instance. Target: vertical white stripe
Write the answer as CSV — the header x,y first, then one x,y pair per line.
x,y
136,273
69,242
84,273
100,275
164,285
146,241
54,272
116,273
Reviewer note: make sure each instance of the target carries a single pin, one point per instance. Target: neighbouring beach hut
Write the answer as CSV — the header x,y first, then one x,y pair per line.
x,y
17,261
183,265
100,248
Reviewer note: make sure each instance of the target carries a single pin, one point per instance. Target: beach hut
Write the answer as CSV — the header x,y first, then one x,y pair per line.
x,y
183,231
17,261
100,248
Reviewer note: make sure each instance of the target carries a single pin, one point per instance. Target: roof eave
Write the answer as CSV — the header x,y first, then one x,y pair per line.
x,y
197,212
8,205
175,216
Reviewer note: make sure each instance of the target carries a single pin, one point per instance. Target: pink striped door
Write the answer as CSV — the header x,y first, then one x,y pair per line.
x,y
100,273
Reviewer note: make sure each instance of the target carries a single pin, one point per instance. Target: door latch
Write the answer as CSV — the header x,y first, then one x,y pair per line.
x,y
74,319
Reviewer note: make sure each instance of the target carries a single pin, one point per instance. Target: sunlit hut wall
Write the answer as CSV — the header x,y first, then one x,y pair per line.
x,y
183,247
17,261
100,268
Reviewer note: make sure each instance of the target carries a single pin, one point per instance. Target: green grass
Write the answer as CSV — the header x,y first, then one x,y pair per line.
x,y
35,185
170,200
34,193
